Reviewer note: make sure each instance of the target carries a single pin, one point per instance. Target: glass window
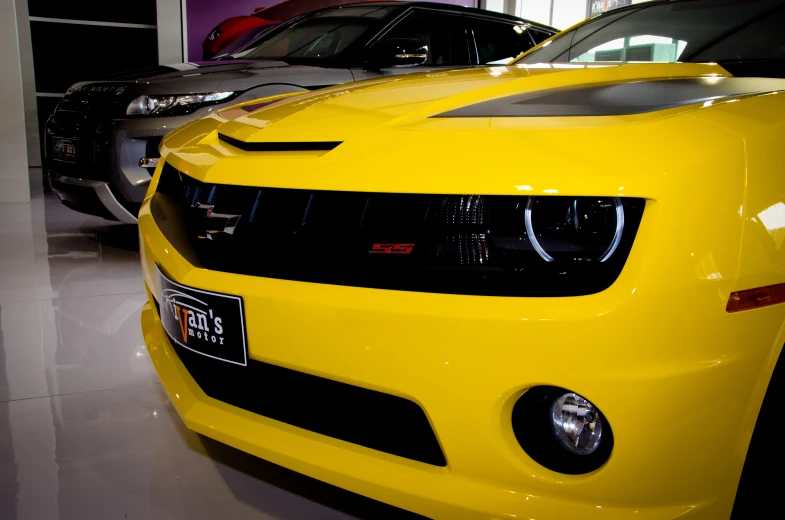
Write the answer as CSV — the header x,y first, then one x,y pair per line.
x,y
321,36
558,48
443,34
669,32
536,11
761,40
498,43
603,6
538,35
566,13
645,47
495,5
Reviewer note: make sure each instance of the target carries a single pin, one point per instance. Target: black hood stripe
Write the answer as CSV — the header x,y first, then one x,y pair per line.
x,y
280,146
618,99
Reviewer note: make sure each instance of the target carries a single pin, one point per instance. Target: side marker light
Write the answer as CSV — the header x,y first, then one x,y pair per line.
x,y
754,298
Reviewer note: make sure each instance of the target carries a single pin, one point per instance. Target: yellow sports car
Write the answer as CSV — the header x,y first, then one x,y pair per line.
x,y
546,290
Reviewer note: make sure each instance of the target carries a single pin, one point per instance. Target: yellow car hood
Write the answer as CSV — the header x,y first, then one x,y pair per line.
x,y
341,112
705,169
390,142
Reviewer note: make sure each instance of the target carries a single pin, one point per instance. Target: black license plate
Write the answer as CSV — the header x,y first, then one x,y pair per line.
x,y
65,149
208,323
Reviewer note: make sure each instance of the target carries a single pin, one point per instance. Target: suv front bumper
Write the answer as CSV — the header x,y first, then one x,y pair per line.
x,y
107,180
89,196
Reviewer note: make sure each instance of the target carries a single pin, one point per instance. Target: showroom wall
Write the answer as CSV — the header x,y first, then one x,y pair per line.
x,y
13,147
74,40
170,25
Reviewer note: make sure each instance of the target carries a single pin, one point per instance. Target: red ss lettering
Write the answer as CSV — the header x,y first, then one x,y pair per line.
x,y
392,249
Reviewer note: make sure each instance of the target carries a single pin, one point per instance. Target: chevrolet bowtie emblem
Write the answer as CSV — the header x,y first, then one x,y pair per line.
x,y
216,222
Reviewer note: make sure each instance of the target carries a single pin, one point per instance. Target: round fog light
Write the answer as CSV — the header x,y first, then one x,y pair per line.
x,y
576,423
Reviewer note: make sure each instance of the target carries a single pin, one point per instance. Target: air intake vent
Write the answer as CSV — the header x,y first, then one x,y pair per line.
x,y
350,413
313,146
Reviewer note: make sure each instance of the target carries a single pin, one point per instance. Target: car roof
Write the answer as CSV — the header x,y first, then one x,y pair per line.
x,y
456,8
649,3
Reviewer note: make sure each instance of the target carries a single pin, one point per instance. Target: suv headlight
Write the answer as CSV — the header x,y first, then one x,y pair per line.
x,y
149,105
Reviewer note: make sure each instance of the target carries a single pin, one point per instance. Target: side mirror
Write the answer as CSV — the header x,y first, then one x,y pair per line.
x,y
398,52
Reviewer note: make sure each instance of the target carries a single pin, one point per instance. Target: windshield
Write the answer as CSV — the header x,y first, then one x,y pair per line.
x,y
718,31
243,41
321,36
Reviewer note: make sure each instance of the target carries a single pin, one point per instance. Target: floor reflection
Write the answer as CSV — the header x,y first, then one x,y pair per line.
x,y
86,430
252,485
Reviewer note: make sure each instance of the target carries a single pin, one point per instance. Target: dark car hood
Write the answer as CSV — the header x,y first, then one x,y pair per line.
x,y
179,70
213,76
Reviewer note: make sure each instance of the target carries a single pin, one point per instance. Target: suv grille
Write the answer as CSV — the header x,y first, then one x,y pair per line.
x,y
101,99
91,133
459,244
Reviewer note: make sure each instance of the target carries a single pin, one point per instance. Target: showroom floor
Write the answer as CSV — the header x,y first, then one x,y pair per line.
x,y
86,430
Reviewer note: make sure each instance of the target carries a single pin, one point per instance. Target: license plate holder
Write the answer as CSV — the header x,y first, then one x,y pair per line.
x,y
208,323
65,149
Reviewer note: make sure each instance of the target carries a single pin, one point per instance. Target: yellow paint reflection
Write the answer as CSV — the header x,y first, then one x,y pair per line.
x,y
773,219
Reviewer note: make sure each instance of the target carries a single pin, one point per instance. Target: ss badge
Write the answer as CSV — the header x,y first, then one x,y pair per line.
x,y
392,249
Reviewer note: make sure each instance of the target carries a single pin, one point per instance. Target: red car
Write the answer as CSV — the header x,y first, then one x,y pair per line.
x,y
234,28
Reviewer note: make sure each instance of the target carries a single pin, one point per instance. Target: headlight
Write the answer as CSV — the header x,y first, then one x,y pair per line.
x,y
149,105
563,227
453,244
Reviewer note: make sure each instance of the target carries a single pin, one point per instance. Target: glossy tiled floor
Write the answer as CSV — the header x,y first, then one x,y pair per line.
x,y
86,431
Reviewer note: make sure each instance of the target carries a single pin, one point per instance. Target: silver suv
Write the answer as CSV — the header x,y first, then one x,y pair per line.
x,y
102,141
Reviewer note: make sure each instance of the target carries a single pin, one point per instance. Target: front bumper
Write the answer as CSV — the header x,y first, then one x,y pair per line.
x,y
89,196
109,160
435,492
678,379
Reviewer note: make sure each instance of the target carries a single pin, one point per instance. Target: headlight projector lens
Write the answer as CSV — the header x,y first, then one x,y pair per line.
x,y
580,228
576,424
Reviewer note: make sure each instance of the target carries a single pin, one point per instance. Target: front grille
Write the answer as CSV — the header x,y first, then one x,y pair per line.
x,y
458,244
85,115
350,413
100,99
92,134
